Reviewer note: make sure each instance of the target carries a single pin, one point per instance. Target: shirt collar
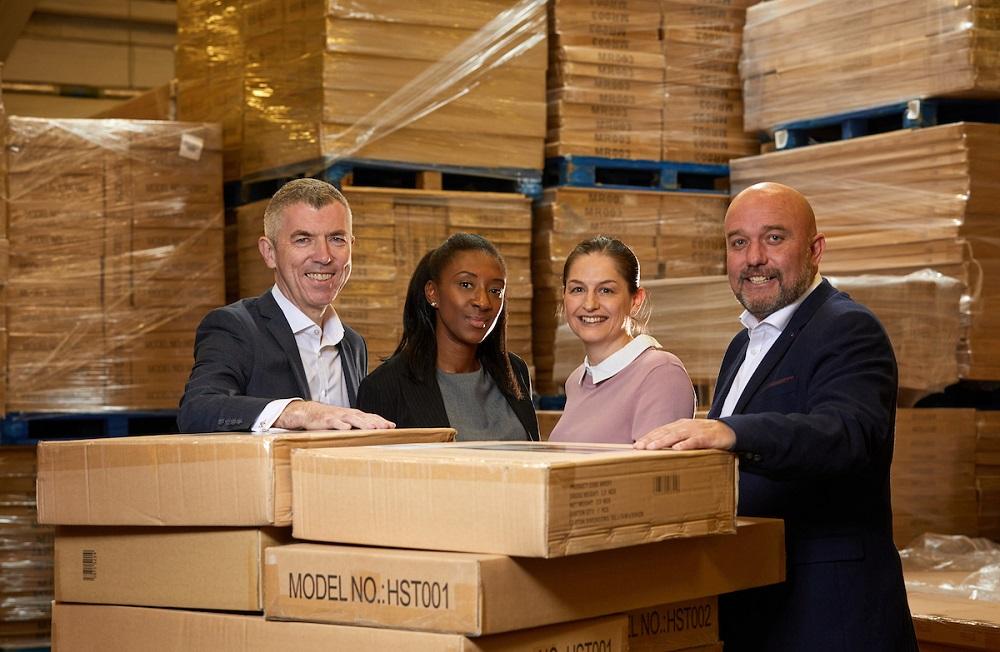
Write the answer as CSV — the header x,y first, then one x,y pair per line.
x,y
618,360
780,318
298,321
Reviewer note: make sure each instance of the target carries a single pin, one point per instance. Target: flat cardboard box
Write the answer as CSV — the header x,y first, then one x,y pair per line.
x,y
188,568
527,499
688,625
83,628
211,479
953,623
477,594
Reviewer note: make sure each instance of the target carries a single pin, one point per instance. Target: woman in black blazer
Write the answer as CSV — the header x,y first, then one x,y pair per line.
x,y
452,367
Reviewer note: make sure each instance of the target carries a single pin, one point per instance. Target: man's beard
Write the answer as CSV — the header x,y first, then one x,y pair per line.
x,y
788,294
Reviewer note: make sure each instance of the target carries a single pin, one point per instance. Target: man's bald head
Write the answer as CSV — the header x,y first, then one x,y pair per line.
x,y
772,247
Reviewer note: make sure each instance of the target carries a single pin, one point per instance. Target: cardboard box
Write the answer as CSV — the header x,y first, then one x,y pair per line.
x,y
951,623
107,629
230,479
220,569
674,626
478,594
513,498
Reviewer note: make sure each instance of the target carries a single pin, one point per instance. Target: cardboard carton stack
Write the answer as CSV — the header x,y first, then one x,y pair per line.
x,y
702,100
988,472
673,234
805,59
903,201
25,554
954,624
446,84
209,67
394,228
130,213
646,79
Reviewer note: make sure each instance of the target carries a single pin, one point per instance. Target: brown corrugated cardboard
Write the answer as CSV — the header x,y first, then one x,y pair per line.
x,y
514,498
110,629
676,626
231,479
481,594
190,568
950,623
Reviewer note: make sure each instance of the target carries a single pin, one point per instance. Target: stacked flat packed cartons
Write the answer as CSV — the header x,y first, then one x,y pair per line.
x,y
25,554
933,475
988,472
702,100
696,318
436,84
4,255
605,80
673,235
393,229
903,201
209,69
806,59
130,213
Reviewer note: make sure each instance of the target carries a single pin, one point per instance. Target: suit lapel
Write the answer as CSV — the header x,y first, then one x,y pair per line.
x,y
350,372
777,351
727,376
278,326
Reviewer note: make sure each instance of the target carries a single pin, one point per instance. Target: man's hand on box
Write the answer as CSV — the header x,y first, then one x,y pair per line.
x,y
310,415
689,434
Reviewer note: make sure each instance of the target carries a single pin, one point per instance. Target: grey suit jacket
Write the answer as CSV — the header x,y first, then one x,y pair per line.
x,y
245,356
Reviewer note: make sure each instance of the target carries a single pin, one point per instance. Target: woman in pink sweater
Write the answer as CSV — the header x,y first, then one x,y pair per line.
x,y
627,385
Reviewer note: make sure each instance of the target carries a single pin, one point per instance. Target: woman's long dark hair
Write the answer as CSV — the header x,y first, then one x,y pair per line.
x,y
418,345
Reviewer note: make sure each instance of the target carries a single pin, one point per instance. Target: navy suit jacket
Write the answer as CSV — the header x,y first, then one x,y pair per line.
x,y
814,434
245,356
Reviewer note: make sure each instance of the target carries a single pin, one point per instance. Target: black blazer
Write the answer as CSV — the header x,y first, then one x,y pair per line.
x,y
245,356
393,393
814,433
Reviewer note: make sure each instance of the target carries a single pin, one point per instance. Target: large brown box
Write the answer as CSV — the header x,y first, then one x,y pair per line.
x,y
221,480
195,568
526,499
953,624
478,594
113,629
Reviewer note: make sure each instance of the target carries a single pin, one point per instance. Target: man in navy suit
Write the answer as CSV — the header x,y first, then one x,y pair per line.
x,y
285,359
806,397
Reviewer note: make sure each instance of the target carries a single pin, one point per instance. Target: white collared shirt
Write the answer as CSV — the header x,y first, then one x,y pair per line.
x,y
618,360
320,353
763,334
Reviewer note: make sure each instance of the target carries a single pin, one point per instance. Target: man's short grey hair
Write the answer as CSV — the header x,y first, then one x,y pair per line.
x,y
311,192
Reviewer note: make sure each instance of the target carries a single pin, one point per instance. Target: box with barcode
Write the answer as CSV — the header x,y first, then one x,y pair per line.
x,y
526,499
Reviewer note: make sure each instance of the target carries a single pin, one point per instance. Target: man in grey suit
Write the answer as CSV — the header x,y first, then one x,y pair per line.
x,y
284,359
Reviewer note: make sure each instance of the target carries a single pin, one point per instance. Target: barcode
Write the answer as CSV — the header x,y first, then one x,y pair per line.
x,y
666,484
89,565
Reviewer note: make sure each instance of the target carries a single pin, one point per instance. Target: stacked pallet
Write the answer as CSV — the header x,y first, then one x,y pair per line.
x,y
130,213
438,84
673,234
25,554
906,200
805,59
646,79
394,228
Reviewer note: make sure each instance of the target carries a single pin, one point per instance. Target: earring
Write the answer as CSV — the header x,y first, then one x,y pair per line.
x,y
434,304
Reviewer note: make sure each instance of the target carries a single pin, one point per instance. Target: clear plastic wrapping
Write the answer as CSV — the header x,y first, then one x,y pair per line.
x,y
902,201
114,239
955,565
805,59
394,228
621,88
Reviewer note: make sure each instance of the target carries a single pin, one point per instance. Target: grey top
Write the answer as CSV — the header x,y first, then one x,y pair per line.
x,y
477,408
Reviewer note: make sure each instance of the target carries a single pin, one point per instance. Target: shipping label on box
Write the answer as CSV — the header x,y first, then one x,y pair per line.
x,y
527,499
674,626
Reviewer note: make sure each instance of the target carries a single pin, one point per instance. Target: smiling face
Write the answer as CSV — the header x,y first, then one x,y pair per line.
x,y
772,248
598,305
469,296
311,255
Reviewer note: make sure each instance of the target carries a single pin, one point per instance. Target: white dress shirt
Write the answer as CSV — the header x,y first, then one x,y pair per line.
x,y
320,354
763,334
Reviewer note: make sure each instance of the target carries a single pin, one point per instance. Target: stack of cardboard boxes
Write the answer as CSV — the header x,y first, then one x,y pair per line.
x,y
591,528
115,228
25,554
393,230
646,79
988,472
